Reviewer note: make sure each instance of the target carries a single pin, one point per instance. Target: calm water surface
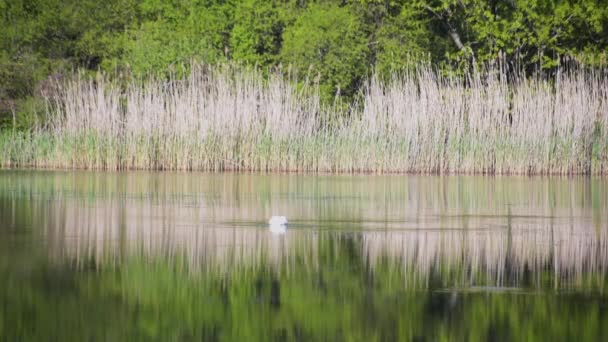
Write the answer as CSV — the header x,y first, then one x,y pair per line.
x,y
189,256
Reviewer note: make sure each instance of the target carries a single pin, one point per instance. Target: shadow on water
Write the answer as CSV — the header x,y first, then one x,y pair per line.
x,y
169,256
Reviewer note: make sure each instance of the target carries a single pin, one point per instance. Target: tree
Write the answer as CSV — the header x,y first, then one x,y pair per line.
x,y
327,39
256,35
406,38
172,34
532,32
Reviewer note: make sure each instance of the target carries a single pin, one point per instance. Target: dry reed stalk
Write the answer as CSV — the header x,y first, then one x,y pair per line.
x,y
234,118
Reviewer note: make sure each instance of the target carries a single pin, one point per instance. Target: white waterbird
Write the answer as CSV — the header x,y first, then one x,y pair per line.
x,y
278,229
278,224
278,221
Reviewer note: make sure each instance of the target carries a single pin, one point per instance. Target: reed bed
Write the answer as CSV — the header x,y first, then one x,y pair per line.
x,y
235,118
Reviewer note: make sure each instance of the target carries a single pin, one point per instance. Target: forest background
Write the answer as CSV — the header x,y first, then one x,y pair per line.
x,y
339,42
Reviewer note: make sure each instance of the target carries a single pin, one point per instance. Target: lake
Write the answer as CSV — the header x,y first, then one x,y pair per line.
x,y
190,256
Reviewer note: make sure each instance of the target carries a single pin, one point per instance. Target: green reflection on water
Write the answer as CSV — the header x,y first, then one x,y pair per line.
x,y
139,256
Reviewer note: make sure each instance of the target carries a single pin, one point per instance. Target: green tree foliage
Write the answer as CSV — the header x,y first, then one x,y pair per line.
x,y
403,39
42,38
171,33
327,39
342,40
531,32
256,35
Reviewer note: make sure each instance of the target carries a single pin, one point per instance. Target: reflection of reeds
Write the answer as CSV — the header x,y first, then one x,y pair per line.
x,y
468,230
500,257
227,118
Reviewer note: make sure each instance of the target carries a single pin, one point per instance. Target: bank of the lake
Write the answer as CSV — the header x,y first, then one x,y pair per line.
x,y
233,118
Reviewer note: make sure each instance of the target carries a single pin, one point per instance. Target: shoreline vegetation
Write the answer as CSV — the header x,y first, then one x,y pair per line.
x,y
231,118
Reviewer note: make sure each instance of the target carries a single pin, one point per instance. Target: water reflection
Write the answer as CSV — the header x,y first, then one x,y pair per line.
x,y
448,232
172,256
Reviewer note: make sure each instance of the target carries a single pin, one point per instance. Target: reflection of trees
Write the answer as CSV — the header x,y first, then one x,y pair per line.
x,y
458,230
172,256
142,299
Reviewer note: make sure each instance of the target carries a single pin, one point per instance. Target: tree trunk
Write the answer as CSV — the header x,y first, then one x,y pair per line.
x,y
456,38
